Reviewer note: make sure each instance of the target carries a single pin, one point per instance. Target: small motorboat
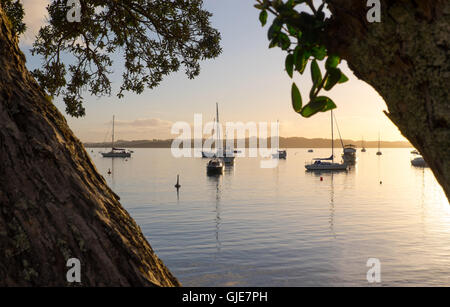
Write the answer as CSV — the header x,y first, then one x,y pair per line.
x,y
215,167
116,152
280,154
349,155
310,150
419,162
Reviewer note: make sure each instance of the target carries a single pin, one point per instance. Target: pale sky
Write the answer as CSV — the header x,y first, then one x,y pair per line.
x,y
247,80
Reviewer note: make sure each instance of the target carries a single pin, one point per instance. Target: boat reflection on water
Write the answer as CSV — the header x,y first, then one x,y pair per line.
x,y
216,182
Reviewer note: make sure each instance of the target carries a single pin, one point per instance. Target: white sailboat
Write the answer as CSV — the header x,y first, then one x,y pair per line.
x,y
324,164
227,155
216,165
116,152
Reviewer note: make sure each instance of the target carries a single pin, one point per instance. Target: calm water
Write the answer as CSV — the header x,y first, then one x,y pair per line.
x,y
286,227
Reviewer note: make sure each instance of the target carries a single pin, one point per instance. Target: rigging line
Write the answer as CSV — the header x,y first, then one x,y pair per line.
x,y
337,126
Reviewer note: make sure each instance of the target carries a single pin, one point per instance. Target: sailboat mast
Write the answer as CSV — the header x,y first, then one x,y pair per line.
x,y
332,137
112,143
219,144
379,141
278,133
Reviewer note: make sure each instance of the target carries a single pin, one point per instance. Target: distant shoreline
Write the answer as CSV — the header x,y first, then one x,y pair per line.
x,y
294,142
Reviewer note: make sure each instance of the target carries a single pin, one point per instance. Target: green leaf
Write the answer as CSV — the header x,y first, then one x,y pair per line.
x,y
343,78
263,17
334,75
315,73
274,29
290,65
273,43
319,52
292,30
332,62
329,105
284,41
319,104
296,98
302,60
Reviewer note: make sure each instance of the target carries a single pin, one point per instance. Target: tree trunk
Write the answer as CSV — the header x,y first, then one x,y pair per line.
x,y
406,59
53,203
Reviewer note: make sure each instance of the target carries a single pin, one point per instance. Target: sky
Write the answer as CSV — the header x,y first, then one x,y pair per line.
x,y
247,80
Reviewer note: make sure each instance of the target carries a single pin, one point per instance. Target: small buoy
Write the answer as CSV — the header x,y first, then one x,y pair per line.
x,y
178,182
381,182
109,171
321,178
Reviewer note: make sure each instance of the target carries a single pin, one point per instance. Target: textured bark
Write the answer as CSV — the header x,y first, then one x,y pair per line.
x,y
406,58
53,203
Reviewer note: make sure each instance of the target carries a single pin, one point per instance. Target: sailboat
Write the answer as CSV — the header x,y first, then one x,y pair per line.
x,y
323,164
280,154
379,153
216,166
116,152
227,156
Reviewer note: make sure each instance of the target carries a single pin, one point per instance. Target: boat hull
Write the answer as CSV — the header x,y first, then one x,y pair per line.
x,y
419,162
116,155
326,167
228,160
214,170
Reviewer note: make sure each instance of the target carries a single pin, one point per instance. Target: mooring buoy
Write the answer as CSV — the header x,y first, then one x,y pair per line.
x,y
178,182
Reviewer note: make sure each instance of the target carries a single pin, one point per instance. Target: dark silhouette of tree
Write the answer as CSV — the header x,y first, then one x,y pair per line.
x,y
54,204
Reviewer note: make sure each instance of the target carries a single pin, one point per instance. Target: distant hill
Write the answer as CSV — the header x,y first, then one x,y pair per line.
x,y
292,142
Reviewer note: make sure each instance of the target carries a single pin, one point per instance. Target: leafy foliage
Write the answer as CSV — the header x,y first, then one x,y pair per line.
x,y
156,37
15,13
301,35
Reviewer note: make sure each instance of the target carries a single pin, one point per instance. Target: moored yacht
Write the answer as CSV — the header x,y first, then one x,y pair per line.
x,y
327,164
379,153
363,146
116,152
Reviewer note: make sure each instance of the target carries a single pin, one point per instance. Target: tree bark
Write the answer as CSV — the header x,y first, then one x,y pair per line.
x,y
53,203
406,59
